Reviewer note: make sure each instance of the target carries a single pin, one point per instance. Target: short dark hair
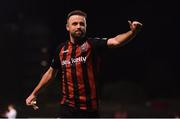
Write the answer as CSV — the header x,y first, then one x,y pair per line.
x,y
77,12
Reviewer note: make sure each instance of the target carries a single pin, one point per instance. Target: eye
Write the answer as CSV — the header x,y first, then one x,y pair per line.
x,y
82,24
74,23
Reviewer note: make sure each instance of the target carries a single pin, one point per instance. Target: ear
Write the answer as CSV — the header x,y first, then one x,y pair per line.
x,y
67,27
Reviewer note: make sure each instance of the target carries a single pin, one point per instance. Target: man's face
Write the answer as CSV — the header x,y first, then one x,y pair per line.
x,y
76,25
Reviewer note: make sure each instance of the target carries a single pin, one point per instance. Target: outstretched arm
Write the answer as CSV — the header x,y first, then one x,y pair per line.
x,y
135,26
49,75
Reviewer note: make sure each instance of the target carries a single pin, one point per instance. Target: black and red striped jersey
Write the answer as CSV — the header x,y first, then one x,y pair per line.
x,y
78,64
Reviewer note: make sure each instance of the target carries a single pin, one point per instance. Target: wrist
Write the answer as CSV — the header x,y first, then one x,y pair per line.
x,y
34,94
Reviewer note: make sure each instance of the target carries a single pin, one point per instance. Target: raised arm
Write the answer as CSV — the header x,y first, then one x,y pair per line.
x,y
120,39
49,75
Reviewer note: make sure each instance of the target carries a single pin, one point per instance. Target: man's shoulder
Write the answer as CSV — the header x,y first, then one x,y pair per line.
x,y
61,45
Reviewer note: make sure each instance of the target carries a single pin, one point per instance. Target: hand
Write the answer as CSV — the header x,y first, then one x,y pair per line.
x,y
31,101
135,26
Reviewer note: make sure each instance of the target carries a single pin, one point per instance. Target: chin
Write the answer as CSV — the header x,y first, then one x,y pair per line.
x,y
79,36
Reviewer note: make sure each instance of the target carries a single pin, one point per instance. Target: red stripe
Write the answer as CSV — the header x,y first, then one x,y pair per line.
x,y
81,87
63,83
69,77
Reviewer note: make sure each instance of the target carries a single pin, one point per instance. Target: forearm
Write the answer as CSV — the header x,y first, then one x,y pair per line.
x,y
125,37
41,84
122,38
49,75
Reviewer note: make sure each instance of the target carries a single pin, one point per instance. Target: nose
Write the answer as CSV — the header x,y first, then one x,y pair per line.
x,y
78,26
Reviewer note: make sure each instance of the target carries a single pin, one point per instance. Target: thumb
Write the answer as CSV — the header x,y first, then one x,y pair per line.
x,y
129,22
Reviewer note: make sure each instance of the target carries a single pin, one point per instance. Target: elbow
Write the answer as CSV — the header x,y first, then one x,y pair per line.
x,y
114,42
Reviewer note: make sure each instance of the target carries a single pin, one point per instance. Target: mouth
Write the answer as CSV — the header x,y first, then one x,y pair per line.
x,y
78,31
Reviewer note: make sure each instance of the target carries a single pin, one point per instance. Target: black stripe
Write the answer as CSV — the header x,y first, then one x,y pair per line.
x,y
74,78
86,83
96,76
64,70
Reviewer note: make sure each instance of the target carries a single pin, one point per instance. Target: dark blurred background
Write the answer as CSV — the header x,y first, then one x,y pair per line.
x,y
140,79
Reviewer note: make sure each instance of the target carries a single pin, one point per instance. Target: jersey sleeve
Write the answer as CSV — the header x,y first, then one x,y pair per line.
x,y
55,62
99,44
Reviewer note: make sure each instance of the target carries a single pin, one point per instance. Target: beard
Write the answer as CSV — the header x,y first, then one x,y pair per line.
x,y
79,34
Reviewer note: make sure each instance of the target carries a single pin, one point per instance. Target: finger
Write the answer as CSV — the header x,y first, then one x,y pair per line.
x,y
35,107
129,22
140,24
137,23
28,102
33,102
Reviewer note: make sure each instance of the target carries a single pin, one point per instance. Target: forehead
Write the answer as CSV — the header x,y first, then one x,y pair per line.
x,y
76,18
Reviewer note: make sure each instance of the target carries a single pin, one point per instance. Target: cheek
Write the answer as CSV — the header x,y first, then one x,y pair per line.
x,y
84,29
71,29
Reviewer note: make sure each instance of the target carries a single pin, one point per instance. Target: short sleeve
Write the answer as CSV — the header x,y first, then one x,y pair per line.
x,y
55,62
99,44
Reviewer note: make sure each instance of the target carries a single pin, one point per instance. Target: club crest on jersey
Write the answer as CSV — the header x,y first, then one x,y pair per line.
x,y
84,47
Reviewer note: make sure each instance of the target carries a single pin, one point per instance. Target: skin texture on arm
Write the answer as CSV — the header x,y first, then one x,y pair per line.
x,y
135,27
49,75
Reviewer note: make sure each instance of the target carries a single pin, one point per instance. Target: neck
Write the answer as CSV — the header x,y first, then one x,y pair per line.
x,y
76,40
72,39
